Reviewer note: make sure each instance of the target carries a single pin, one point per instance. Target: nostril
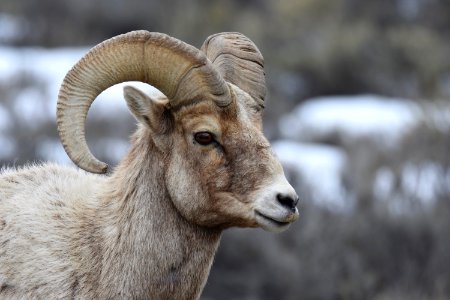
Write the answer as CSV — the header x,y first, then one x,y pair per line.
x,y
288,201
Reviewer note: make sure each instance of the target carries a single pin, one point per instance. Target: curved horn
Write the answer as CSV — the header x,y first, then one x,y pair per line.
x,y
239,61
177,69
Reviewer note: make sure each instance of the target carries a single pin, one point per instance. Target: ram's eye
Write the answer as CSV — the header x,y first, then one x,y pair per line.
x,y
204,138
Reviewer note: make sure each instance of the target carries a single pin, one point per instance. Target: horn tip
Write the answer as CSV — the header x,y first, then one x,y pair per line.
x,y
98,168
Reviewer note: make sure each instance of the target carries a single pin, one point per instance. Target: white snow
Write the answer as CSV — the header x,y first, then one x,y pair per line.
x,y
354,116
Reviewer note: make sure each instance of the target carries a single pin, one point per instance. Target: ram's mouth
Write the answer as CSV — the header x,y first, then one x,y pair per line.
x,y
279,223
269,223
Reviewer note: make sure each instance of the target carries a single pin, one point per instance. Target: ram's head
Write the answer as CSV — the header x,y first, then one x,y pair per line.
x,y
219,169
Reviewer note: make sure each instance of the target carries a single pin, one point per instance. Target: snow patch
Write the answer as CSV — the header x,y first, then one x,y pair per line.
x,y
355,116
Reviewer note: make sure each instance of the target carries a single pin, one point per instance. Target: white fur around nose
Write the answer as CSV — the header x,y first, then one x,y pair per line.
x,y
266,204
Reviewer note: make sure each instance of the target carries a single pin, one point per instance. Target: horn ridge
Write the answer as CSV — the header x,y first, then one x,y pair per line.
x,y
179,70
239,62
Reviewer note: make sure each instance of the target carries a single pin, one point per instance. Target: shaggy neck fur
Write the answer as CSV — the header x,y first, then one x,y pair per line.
x,y
147,247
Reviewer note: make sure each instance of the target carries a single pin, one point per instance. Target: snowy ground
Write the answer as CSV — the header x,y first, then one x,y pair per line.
x,y
353,116
318,166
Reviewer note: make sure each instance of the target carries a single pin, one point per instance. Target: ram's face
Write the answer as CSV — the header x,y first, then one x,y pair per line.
x,y
222,171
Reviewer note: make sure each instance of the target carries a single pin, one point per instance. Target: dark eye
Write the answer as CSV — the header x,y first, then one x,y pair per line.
x,y
204,138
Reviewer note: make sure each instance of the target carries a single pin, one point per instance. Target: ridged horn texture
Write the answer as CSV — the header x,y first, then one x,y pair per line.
x,y
180,71
239,61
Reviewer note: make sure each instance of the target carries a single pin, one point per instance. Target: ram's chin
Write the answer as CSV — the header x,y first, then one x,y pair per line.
x,y
270,224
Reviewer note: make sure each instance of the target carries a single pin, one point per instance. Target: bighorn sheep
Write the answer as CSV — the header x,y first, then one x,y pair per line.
x,y
198,164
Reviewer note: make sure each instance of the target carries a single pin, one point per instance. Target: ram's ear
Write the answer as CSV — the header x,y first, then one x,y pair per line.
x,y
147,110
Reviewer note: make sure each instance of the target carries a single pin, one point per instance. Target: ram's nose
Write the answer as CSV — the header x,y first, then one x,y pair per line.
x,y
276,207
288,200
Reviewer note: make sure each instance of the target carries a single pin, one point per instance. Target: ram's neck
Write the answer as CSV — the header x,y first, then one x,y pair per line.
x,y
148,247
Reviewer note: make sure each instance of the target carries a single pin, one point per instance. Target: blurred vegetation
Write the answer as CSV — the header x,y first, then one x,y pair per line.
x,y
388,246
